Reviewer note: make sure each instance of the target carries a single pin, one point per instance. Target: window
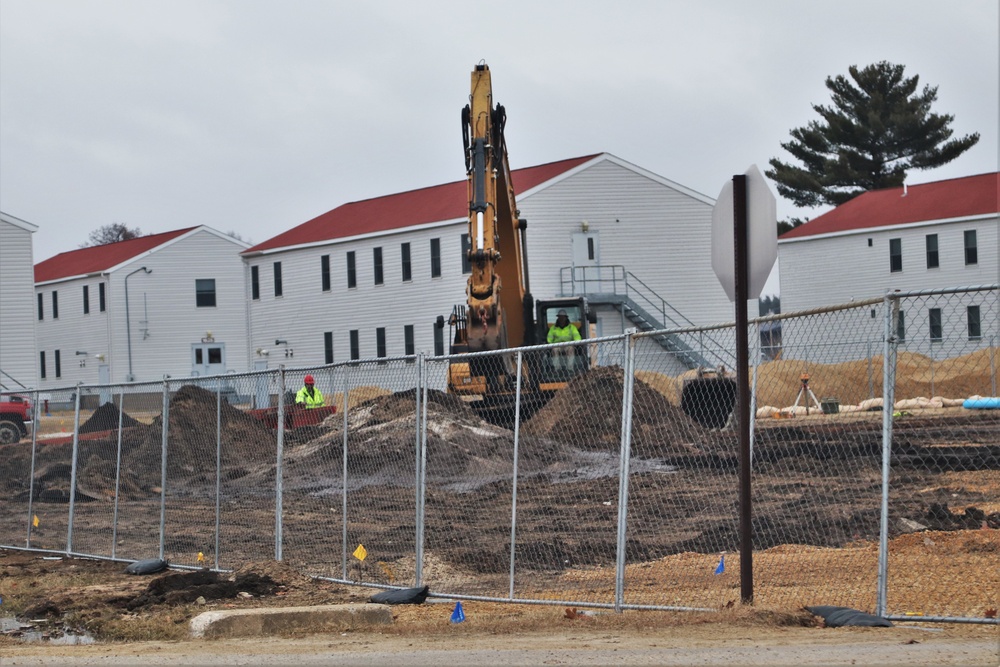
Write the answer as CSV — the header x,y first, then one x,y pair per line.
x,y
895,255
932,251
975,326
404,254
590,248
435,258
328,347
41,307
58,365
355,344
438,341
86,299
324,270
934,318
377,263
466,247
352,274
277,279
380,342
869,243
901,327
254,282
204,292
41,364
102,303
408,346
971,251
55,305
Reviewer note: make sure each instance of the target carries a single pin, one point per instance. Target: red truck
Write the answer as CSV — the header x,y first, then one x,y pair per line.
x,y
15,418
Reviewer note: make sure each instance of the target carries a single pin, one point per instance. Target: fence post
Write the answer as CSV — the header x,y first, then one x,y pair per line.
x,y
165,432
993,376
513,492
871,375
278,529
343,494
73,467
888,400
35,425
418,474
118,474
218,468
628,383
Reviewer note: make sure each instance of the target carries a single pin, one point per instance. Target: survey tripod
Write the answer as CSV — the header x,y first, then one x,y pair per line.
x,y
806,393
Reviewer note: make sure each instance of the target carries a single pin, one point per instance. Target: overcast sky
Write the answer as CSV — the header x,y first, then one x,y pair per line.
x,y
254,116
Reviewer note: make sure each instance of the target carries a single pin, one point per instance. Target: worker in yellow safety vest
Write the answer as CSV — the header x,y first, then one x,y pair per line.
x,y
563,331
309,396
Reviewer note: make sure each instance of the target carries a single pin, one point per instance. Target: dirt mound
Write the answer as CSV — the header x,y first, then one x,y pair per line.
x,y
105,418
588,414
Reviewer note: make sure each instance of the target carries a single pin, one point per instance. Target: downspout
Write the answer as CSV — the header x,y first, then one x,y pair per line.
x,y
128,322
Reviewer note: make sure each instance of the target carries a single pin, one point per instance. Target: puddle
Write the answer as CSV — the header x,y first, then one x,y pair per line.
x,y
40,632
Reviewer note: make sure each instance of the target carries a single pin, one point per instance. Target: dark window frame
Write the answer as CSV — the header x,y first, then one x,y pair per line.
x,y
324,272
466,260
55,305
86,299
102,297
438,341
971,247
328,347
901,327
378,271
57,358
935,325
933,257
895,255
974,322
204,297
41,307
352,269
405,262
279,287
255,283
380,345
355,337
409,344
435,258
41,364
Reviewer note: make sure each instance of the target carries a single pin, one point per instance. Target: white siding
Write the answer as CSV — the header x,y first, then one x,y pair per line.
x,y
660,233
824,271
17,309
164,320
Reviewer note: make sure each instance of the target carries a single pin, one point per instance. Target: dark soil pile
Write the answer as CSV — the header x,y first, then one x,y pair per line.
x,y
185,587
588,415
191,437
105,418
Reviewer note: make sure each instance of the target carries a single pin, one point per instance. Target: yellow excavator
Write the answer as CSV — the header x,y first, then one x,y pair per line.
x,y
499,312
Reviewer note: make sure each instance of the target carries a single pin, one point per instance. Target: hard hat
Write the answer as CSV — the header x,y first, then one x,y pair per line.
x,y
309,379
561,313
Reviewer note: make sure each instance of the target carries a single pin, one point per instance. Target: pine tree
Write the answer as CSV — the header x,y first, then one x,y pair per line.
x,y
878,128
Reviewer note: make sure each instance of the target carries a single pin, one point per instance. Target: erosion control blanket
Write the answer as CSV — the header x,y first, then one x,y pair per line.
x,y
836,617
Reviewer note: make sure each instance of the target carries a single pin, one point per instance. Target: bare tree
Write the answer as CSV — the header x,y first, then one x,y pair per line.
x,y
112,233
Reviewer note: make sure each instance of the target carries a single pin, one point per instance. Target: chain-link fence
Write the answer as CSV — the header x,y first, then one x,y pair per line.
x,y
586,473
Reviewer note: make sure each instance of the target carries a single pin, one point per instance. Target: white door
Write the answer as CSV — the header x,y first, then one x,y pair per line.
x,y
262,392
586,256
104,379
208,358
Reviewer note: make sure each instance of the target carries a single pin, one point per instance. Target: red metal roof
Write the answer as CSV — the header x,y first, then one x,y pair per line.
x,y
405,209
940,200
99,258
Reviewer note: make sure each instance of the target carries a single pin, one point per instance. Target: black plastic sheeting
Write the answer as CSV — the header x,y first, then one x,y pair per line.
x,y
836,617
151,566
404,596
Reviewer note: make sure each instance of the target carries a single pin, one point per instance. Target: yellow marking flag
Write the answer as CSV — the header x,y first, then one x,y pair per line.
x,y
201,557
34,521
361,553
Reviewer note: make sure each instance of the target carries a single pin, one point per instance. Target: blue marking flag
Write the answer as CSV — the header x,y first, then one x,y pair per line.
x,y
721,567
458,615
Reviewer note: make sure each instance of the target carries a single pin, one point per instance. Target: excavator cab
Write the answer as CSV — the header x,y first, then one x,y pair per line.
x,y
558,366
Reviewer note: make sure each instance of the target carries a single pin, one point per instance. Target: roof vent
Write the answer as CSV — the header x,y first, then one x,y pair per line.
x,y
904,189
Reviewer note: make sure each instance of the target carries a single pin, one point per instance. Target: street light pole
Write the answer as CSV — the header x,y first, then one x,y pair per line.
x,y
128,322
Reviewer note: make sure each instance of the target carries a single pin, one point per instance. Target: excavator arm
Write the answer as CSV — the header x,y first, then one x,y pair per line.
x,y
498,283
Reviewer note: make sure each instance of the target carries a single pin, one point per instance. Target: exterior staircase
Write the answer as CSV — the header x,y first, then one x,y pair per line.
x,y
613,285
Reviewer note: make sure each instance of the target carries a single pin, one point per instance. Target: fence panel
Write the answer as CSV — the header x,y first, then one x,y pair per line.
x,y
945,459
18,440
